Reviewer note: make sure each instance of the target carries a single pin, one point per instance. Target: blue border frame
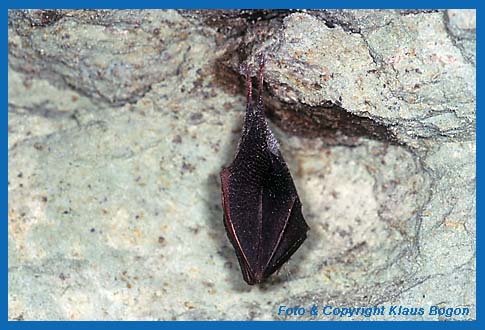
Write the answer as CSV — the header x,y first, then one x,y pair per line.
x,y
224,4
220,4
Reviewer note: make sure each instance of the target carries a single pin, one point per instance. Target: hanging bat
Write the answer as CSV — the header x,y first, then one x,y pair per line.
x,y
262,210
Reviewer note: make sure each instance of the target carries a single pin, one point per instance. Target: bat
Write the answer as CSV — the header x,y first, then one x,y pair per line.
x,y
262,210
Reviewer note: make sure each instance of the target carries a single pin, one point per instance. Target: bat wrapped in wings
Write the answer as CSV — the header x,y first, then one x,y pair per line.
x,y
262,210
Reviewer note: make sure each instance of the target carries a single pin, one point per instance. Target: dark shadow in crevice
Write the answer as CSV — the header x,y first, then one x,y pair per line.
x,y
330,122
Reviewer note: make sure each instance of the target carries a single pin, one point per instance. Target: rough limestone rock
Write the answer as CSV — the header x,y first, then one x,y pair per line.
x,y
120,122
407,74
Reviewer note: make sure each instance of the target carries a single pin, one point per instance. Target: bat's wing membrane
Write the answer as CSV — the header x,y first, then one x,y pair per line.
x,y
262,211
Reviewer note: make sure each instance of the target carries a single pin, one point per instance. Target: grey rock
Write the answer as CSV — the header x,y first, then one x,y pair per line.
x,y
404,74
117,135
113,56
461,25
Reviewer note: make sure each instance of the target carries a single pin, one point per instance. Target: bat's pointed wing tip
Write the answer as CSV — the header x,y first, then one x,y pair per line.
x,y
256,278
